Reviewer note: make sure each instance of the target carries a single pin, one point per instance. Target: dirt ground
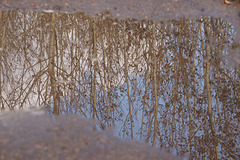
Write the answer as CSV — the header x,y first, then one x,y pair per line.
x,y
153,9
140,9
34,135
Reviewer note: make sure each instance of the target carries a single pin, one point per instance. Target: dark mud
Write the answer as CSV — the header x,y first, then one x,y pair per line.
x,y
34,135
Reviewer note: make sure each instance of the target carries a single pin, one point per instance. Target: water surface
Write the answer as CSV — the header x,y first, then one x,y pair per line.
x,y
173,84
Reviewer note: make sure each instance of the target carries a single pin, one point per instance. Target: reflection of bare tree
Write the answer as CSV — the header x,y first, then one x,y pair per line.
x,y
51,63
126,78
208,87
155,106
161,81
1,55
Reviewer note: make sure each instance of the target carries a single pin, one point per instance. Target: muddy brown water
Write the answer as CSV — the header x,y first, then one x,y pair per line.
x,y
163,72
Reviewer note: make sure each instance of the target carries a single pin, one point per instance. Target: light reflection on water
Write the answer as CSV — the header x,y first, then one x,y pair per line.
x,y
169,84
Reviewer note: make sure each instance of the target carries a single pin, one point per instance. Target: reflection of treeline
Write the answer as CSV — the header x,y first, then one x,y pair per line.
x,y
164,82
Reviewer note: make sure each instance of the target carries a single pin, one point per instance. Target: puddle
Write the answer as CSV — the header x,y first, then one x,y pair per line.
x,y
173,84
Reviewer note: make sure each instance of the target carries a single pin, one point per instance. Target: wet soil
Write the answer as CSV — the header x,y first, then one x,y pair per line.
x,y
34,135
